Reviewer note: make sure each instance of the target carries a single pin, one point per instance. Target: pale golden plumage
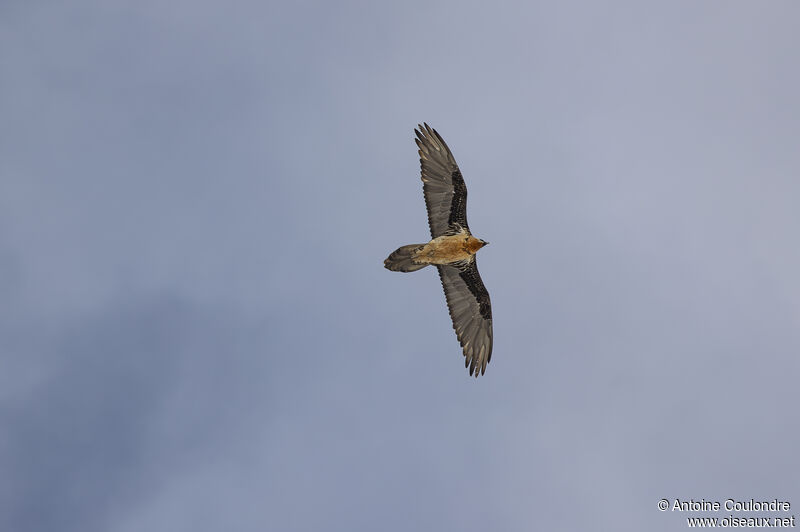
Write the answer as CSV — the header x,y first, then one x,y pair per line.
x,y
447,249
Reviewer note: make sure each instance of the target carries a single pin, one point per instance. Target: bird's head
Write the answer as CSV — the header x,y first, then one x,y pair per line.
x,y
474,244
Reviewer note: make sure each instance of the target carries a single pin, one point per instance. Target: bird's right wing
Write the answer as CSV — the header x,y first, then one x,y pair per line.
x,y
471,312
443,186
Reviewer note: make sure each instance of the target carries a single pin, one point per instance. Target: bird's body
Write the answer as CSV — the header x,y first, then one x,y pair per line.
x,y
447,249
452,250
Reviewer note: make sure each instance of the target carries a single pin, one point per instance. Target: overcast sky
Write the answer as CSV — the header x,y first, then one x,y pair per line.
x,y
196,330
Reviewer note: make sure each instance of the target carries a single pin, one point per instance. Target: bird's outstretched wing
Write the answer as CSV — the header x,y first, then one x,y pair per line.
x,y
471,311
444,188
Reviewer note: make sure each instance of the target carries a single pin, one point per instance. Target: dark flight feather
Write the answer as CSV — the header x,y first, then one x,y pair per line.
x,y
443,185
471,312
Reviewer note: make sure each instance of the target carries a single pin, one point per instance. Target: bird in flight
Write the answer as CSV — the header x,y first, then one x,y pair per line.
x,y
452,250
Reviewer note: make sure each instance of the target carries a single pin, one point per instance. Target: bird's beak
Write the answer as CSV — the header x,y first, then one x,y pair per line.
x,y
484,243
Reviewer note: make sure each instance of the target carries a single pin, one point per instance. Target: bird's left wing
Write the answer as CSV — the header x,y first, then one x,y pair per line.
x,y
443,186
471,311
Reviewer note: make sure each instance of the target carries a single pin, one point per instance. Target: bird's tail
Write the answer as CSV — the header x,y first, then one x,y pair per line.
x,y
402,259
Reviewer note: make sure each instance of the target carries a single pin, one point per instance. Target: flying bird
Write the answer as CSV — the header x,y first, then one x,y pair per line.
x,y
452,250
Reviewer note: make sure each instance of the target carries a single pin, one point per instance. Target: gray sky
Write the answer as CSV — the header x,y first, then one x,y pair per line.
x,y
196,331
